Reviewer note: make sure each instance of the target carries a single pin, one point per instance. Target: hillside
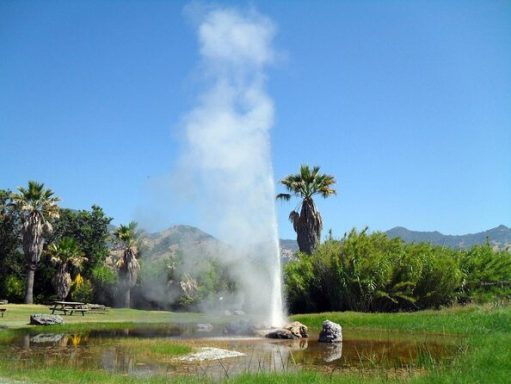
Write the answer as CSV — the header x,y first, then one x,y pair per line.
x,y
499,237
177,239
183,237
180,238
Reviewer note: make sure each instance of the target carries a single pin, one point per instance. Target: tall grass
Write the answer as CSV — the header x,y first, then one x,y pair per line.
x,y
370,272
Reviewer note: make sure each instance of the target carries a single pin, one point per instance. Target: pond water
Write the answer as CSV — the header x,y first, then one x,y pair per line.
x,y
133,352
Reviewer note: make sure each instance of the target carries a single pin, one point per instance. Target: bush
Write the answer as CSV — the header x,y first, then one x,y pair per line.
x,y
441,277
370,272
82,290
14,289
486,274
104,281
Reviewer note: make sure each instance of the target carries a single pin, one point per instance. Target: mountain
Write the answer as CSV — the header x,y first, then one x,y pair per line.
x,y
292,245
180,238
499,237
288,249
177,239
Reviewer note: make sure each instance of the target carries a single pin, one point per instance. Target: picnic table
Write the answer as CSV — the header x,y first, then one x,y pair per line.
x,y
69,306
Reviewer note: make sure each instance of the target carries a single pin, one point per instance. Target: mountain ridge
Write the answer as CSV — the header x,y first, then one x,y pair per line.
x,y
192,239
499,237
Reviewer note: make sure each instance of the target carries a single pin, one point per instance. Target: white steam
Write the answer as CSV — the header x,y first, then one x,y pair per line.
x,y
228,152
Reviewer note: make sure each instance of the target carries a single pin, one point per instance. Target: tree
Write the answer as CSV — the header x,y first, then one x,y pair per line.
x,y
35,206
9,227
64,254
11,259
90,230
308,223
127,265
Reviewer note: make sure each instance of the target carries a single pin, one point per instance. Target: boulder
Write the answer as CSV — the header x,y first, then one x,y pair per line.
x,y
294,330
44,319
298,329
331,332
281,334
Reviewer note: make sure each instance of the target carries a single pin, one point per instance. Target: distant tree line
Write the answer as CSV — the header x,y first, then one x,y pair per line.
x,y
371,272
48,253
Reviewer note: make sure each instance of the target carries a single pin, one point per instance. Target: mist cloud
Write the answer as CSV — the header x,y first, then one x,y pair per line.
x,y
227,148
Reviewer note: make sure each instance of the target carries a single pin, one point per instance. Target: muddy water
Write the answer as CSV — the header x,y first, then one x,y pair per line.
x,y
126,351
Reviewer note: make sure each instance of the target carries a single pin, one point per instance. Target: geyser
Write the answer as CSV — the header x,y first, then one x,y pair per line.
x,y
228,151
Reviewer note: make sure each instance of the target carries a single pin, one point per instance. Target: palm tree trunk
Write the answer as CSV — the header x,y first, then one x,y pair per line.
x,y
129,273
29,288
32,248
62,282
127,298
308,227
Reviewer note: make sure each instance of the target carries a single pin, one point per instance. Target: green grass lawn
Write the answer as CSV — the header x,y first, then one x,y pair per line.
x,y
484,331
18,316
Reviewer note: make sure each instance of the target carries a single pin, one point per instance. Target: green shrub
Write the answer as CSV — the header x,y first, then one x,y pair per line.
x,y
299,287
486,274
14,289
82,290
103,281
370,272
441,277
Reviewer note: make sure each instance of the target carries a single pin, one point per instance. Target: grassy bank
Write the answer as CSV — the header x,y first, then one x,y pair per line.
x,y
485,331
18,316
484,356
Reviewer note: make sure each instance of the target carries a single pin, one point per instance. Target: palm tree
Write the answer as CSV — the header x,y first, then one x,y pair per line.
x,y
64,254
127,265
307,224
36,207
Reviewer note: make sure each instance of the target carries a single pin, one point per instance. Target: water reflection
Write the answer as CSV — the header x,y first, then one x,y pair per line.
x,y
129,351
332,352
54,339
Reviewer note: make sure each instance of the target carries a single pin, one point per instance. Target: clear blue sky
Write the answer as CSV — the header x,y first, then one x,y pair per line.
x,y
408,104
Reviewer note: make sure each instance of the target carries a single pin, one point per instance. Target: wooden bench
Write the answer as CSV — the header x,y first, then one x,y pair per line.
x,y
68,307
82,310
65,310
2,311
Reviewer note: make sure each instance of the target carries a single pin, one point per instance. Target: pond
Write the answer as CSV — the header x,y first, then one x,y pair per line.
x,y
172,350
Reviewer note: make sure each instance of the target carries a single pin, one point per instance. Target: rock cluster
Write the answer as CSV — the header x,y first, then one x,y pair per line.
x,y
331,332
43,319
294,330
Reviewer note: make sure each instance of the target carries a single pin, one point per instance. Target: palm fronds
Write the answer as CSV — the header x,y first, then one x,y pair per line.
x,y
304,185
128,266
63,254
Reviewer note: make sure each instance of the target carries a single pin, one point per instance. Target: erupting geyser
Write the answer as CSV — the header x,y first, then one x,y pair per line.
x,y
228,151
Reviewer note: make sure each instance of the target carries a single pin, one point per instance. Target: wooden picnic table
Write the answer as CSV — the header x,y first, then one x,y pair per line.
x,y
69,306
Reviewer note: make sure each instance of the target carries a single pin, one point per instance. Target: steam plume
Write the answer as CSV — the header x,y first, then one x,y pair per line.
x,y
228,150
